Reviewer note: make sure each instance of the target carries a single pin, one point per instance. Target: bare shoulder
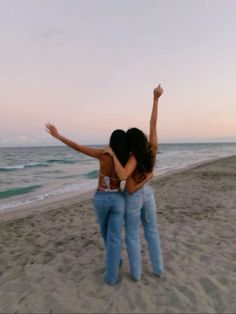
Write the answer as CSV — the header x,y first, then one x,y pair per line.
x,y
105,159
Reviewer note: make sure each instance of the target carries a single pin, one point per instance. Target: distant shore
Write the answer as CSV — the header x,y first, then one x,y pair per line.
x,y
52,255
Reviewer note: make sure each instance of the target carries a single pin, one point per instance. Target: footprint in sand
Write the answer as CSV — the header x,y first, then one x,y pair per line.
x,y
47,257
63,268
213,290
209,286
223,281
188,293
205,258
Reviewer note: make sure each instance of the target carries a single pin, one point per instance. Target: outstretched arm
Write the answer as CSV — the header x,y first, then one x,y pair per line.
x,y
153,120
92,152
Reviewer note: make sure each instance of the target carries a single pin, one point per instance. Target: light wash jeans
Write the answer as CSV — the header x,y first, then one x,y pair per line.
x,y
109,208
141,207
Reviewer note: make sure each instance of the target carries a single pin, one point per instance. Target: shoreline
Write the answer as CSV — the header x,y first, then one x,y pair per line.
x,y
69,199
53,260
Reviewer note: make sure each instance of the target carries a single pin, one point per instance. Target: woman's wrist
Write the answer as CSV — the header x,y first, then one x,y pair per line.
x,y
155,98
59,136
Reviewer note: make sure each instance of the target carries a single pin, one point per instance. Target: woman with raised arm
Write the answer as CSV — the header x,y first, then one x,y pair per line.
x,y
108,201
140,204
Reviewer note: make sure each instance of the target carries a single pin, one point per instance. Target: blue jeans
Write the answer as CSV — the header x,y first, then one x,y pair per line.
x,y
141,207
109,208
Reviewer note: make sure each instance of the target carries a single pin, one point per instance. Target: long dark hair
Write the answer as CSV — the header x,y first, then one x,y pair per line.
x,y
140,147
119,145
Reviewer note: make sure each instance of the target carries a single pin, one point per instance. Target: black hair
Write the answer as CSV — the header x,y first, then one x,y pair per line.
x,y
119,145
140,147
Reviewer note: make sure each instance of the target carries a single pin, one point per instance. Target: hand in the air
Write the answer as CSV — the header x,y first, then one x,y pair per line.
x,y
51,129
158,91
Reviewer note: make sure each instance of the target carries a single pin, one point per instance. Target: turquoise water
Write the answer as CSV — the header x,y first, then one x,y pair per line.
x,y
31,174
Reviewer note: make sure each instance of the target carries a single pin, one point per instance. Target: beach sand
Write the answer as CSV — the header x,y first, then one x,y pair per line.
x,y
51,259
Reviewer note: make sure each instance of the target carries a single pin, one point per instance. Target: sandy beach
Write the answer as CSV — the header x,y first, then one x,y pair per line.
x,y
51,257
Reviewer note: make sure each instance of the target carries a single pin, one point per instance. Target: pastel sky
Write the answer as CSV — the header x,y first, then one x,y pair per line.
x,y
90,66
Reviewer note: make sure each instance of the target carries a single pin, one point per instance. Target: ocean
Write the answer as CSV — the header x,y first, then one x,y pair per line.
x,y
31,174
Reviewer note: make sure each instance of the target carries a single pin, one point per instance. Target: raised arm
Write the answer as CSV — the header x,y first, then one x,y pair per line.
x,y
92,152
153,120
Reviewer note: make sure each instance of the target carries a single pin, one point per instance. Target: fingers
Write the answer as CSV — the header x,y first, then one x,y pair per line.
x,y
159,89
49,128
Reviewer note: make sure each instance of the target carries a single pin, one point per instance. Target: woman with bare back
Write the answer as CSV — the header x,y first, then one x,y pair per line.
x,y
108,200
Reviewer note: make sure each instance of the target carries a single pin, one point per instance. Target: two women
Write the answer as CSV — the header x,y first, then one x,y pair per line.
x,y
109,203
140,205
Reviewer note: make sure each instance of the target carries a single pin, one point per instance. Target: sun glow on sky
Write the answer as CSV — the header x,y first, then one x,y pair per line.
x,y
90,67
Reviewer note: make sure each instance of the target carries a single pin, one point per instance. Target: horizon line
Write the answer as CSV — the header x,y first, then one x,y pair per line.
x,y
62,145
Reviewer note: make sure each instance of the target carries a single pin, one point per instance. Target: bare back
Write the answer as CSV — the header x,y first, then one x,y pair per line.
x,y
107,170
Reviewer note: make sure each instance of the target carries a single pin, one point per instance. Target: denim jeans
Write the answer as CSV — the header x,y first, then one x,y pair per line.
x,y
109,208
141,207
